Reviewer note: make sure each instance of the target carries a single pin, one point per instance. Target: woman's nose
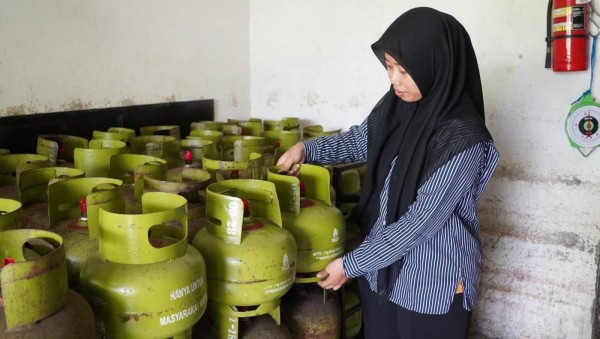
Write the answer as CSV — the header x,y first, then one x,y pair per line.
x,y
395,77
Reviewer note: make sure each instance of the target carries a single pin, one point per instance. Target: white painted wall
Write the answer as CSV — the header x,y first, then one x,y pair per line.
x,y
58,55
540,215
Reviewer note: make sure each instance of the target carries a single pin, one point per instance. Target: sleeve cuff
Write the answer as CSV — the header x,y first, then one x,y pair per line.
x,y
350,266
310,150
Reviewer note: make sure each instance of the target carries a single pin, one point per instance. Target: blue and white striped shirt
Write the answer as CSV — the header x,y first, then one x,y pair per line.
x,y
438,236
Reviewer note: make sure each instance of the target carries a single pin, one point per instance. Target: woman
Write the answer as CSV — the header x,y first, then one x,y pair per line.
x,y
429,157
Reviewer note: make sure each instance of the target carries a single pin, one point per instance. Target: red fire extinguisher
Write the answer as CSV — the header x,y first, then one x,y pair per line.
x,y
567,35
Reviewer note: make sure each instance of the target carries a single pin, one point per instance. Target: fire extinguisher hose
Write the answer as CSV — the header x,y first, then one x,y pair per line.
x,y
549,35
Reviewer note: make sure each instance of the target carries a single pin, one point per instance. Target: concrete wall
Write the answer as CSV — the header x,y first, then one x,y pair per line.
x,y
312,59
540,215
60,55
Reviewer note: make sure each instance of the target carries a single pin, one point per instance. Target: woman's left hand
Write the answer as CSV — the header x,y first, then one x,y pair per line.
x,y
334,275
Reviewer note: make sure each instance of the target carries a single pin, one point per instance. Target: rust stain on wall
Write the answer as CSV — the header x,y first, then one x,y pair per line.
x,y
127,102
493,276
76,105
14,111
517,172
170,98
564,239
33,106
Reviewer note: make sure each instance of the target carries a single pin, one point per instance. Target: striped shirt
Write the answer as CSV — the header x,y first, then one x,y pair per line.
x,y
438,236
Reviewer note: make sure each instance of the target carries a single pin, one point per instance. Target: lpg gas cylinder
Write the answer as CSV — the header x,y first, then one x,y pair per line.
x,y
73,208
313,131
244,166
277,142
161,146
230,129
251,259
59,148
206,125
257,327
198,149
318,227
10,214
115,133
146,282
35,301
11,165
252,126
347,180
210,135
190,183
285,124
95,160
238,146
131,169
352,312
310,314
172,130
33,187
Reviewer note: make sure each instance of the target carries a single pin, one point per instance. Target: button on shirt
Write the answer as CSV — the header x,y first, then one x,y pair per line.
x,y
438,237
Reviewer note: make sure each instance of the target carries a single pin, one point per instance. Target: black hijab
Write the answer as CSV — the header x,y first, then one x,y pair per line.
x,y
435,49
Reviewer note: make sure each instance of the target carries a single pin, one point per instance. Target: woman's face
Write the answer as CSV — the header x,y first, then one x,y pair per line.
x,y
404,85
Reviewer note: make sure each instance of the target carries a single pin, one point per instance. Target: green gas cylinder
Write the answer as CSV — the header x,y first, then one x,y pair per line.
x,y
146,282
4,151
238,146
352,313
190,183
285,124
245,166
172,130
318,227
59,148
349,188
33,187
277,142
11,165
210,135
313,131
198,149
131,169
161,146
33,184
252,126
231,129
73,209
35,301
10,214
115,133
251,259
206,125
95,160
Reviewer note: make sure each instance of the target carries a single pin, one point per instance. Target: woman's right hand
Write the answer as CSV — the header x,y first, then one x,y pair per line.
x,y
290,160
